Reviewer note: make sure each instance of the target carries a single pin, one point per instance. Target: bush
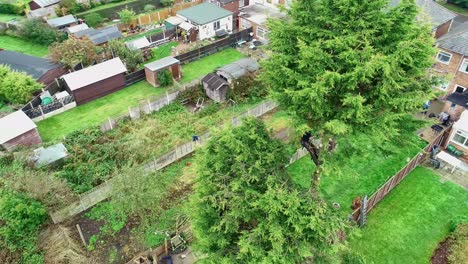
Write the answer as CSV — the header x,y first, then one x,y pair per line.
x,y
14,9
38,32
167,2
17,87
93,19
247,87
149,8
165,78
462,3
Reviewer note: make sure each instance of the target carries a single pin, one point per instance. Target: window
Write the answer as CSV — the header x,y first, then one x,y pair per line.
x,y
216,25
444,57
461,138
460,89
464,66
262,33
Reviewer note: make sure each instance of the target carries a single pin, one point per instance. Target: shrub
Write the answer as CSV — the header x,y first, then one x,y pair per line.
x,y
165,78
16,9
38,32
93,19
17,87
462,3
247,87
167,2
149,8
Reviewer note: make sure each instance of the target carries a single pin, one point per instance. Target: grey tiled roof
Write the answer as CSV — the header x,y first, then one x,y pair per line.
x,y
456,40
438,14
62,21
34,66
102,35
44,3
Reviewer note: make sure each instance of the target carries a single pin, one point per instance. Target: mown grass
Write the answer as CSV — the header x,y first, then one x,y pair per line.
x,y
23,46
208,64
97,111
8,17
408,224
105,6
161,52
360,168
144,34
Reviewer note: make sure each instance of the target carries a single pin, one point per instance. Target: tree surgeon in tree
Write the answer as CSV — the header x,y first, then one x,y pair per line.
x,y
345,66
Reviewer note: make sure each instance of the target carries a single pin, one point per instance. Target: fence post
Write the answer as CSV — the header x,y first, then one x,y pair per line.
x,y
110,123
167,97
40,108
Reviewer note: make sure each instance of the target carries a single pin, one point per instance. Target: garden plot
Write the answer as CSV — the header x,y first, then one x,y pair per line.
x,y
408,224
23,46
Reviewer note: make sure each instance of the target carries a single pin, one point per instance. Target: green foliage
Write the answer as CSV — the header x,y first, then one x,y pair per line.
x,y
131,58
459,220
17,87
12,8
93,19
113,218
246,209
149,8
248,86
93,157
458,251
167,2
209,110
126,16
35,30
20,219
462,3
74,51
350,65
165,78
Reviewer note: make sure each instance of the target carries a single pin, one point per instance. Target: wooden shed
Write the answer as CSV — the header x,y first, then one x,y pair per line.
x,y
17,129
215,87
96,81
152,69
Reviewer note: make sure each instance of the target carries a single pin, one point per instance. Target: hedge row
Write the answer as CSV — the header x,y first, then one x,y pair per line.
x,y
10,8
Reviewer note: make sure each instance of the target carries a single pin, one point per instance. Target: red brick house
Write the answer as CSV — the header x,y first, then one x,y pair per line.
x,y
96,81
452,65
17,129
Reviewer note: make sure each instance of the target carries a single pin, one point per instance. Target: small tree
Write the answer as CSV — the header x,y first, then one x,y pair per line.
x,y
149,8
17,87
167,2
131,58
127,16
165,78
93,19
73,52
247,210
37,31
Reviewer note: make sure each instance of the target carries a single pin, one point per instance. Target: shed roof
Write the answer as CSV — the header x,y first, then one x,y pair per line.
x,y
34,66
45,156
161,64
214,81
95,73
174,20
44,3
14,125
186,26
138,43
100,36
239,68
460,99
456,40
204,13
62,21
76,28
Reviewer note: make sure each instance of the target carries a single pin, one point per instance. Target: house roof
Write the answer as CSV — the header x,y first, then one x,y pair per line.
x,y
161,64
174,20
456,40
62,21
138,43
76,28
14,125
44,3
462,123
460,99
45,156
95,73
204,13
239,68
259,14
438,14
214,81
34,66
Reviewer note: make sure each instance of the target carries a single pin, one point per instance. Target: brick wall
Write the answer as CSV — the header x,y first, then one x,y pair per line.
x,y
442,29
452,71
27,139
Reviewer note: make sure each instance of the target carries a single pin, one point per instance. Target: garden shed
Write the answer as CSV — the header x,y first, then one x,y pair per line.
x,y
96,81
45,156
215,87
17,129
152,69
37,4
238,69
42,70
136,44
62,22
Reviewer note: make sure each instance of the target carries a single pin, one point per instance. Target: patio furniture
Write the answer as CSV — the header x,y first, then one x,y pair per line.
x,y
456,163
437,129
454,151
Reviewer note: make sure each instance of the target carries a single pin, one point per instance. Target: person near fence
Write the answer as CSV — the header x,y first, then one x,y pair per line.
x,y
195,138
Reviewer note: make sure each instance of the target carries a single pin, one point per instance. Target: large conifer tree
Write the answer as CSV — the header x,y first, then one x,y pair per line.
x,y
350,65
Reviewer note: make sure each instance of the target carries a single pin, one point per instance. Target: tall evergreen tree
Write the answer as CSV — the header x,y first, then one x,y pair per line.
x,y
345,66
247,210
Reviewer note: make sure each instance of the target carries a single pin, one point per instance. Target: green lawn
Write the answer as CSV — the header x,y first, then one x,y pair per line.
x,y
408,224
454,8
23,46
208,64
161,52
8,17
95,112
358,172
146,33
